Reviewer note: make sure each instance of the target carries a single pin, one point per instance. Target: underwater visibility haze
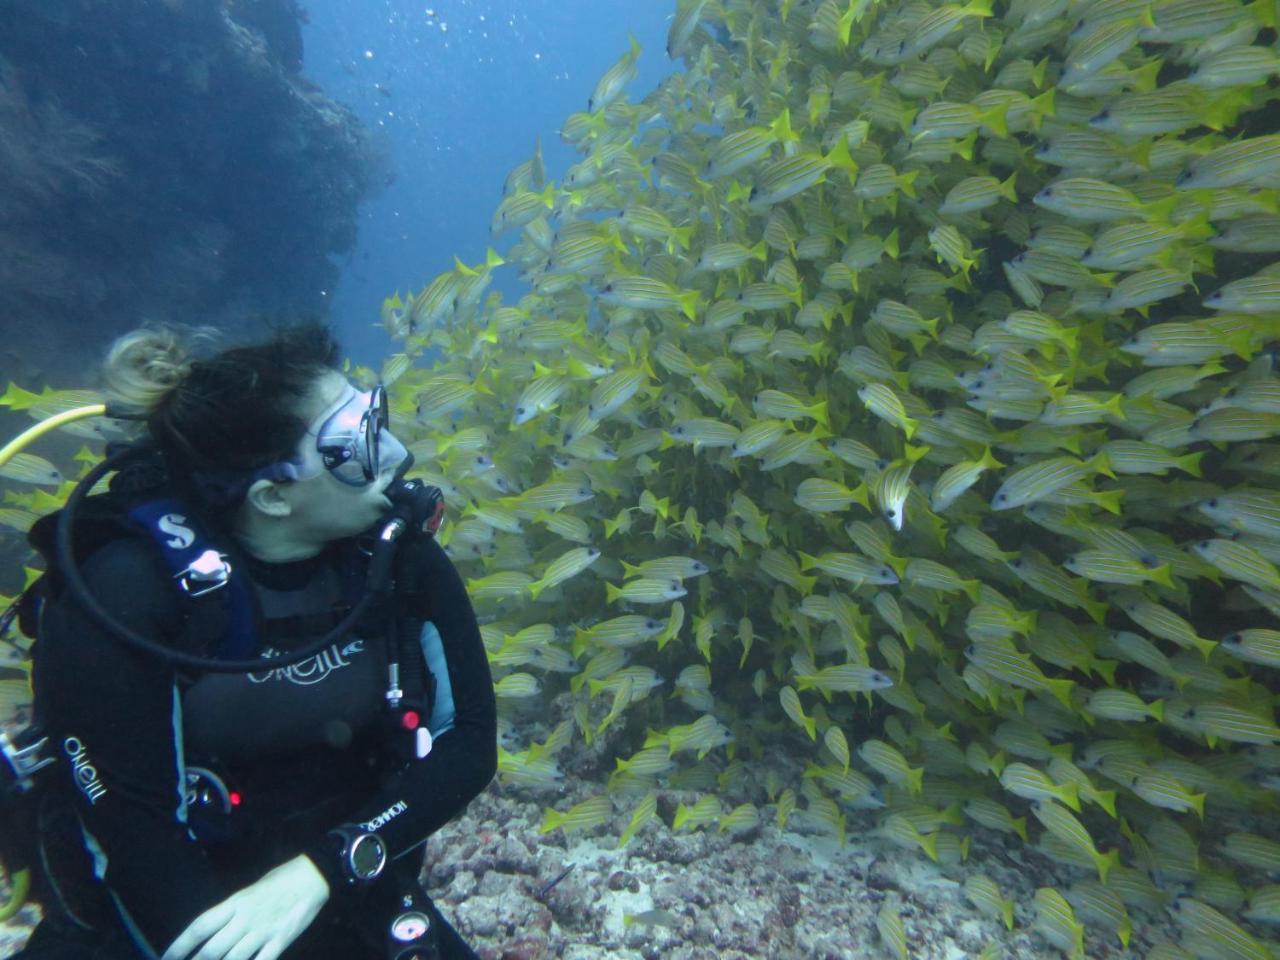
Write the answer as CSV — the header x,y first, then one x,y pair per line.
x,y
858,425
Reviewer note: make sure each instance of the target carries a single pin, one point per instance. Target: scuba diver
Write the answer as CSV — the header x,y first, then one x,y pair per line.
x,y
259,681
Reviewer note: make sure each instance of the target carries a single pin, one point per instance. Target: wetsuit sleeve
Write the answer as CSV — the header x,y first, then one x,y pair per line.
x,y
418,800
114,723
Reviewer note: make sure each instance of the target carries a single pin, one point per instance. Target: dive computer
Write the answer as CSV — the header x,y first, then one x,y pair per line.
x,y
362,853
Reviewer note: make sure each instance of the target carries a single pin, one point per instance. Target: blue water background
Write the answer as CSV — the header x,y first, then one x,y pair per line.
x,y
457,99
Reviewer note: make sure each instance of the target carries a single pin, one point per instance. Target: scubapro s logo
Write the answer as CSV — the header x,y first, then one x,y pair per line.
x,y
173,524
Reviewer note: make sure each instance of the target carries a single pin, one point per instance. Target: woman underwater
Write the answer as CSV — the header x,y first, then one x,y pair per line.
x,y
252,815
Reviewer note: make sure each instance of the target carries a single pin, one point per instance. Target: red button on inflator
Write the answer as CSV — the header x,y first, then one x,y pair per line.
x,y
409,720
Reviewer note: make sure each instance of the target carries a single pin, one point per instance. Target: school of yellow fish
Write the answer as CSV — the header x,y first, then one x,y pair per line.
x,y
896,385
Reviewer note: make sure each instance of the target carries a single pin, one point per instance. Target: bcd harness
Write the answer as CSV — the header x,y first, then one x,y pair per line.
x,y
222,619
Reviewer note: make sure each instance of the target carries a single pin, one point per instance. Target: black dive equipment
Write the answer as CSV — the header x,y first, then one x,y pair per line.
x,y
412,933
405,497
361,852
417,510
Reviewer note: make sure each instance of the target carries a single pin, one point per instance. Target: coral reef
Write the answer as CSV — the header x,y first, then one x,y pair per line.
x,y
164,159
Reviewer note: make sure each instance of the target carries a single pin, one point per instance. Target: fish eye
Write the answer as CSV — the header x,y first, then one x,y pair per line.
x,y
1002,497
1101,115
891,513
519,411
1212,502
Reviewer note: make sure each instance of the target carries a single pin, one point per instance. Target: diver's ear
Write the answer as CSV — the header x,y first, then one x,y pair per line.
x,y
266,497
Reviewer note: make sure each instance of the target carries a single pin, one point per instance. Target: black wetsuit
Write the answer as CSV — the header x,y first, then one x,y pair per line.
x,y
305,747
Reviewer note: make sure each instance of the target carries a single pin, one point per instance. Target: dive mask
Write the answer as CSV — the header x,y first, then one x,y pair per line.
x,y
353,443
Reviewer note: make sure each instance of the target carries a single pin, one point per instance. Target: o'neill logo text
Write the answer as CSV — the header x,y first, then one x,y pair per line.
x,y
386,816
313,669
183,536
83,770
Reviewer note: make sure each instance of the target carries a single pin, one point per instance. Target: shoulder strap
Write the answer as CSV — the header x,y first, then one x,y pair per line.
x,y
201,573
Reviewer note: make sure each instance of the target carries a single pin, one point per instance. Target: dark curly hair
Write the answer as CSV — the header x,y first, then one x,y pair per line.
x,y
216,418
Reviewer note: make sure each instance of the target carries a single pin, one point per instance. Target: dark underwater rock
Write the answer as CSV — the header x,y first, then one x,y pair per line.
x,y
164,159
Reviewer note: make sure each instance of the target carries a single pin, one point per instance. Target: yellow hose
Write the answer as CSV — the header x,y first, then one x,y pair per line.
x,y
17,896
47,424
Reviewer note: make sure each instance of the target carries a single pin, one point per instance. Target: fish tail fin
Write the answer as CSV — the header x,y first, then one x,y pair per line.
x,y
689,304
1190,463
1105,862
929,844
997,764
840,157
1019,825
1007,188
1264,11
1096,609
996,118
781,126
1162,576
915,779
612,593
1109,500
1038,72
1070,795
1197,804
1161,210
1106,799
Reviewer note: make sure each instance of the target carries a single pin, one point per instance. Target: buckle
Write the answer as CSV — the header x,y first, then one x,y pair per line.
x,y
25,760
205,573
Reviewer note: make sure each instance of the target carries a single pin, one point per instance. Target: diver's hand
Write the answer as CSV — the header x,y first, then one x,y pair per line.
x,y
258,922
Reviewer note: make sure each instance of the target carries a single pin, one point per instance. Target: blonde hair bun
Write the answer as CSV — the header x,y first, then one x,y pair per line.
x,y
144,366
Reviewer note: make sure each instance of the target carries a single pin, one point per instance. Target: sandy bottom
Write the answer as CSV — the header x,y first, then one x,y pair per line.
x,y
768,893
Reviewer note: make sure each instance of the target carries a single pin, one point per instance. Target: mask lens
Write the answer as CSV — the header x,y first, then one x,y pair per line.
x,y
375,420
